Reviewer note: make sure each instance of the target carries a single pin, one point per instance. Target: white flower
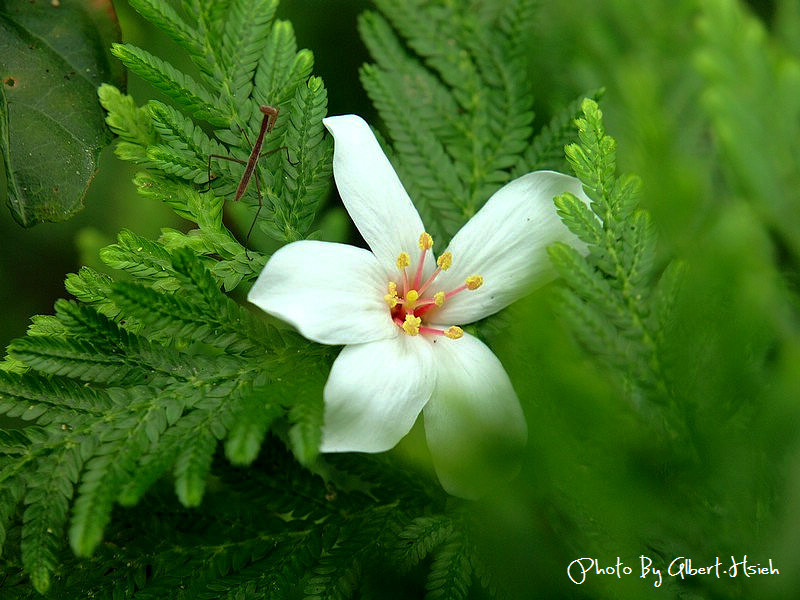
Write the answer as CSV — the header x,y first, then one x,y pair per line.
x,y
397,310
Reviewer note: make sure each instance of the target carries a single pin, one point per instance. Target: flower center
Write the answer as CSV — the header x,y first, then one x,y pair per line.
x,y
410,304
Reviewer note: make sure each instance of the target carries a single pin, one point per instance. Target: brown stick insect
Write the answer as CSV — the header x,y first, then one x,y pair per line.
x,y
267,123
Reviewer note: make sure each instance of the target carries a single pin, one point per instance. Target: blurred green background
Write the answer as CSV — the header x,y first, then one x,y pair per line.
x,y
703,97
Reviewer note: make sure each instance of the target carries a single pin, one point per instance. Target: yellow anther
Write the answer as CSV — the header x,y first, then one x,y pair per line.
x,y
438,298
474,282
444,261
425,241
403,260
391,298
454,332
411,325
412,296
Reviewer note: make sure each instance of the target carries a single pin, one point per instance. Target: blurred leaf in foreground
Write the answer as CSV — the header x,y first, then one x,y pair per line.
x,y
52,59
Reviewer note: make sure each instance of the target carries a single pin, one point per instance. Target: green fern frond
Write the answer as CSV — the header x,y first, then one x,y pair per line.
x,y
281,68
170,22
49,491
420,537
306,417
92,509
249,427
79,359
141,258
610,299
182,137
579,219
93,288
245,61
460,121
10,493
181,88
30,397
246,33
138,421
192,466
211,317
434,107
341,566
46,325
126,120
546,151
450,576
308,179
431,175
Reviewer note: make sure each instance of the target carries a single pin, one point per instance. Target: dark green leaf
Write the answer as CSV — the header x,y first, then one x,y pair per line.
x,y
51,125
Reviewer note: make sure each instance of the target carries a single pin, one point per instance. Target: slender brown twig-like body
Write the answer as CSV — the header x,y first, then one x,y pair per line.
x,y
267,123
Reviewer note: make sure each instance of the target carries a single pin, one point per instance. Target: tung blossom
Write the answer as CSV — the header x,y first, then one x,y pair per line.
x,y
397,309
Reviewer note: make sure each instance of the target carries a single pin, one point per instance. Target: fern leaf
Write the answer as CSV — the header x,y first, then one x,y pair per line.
x,y
30,397
246,33
192,466
420,537
581,276
182,138
92,509
579,219
181,88
281,68
639,251
208,413
137,424
467,111
11,493
306,415
174,161
72,358
592,328
610,298
88,285
50,489
429,174
249,427
451,572
167,19
141,258
178,196
126,120
308,180
594,160
546,151
423,27
341,567
46,325
433,106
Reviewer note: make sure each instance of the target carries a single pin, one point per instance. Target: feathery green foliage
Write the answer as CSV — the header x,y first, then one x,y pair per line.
x,y
250,61
450,84
146,379
610,298
158,439
171,439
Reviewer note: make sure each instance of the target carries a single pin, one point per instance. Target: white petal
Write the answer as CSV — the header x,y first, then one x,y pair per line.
x,y
332,293
473,422
375,392
372,193
505,243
